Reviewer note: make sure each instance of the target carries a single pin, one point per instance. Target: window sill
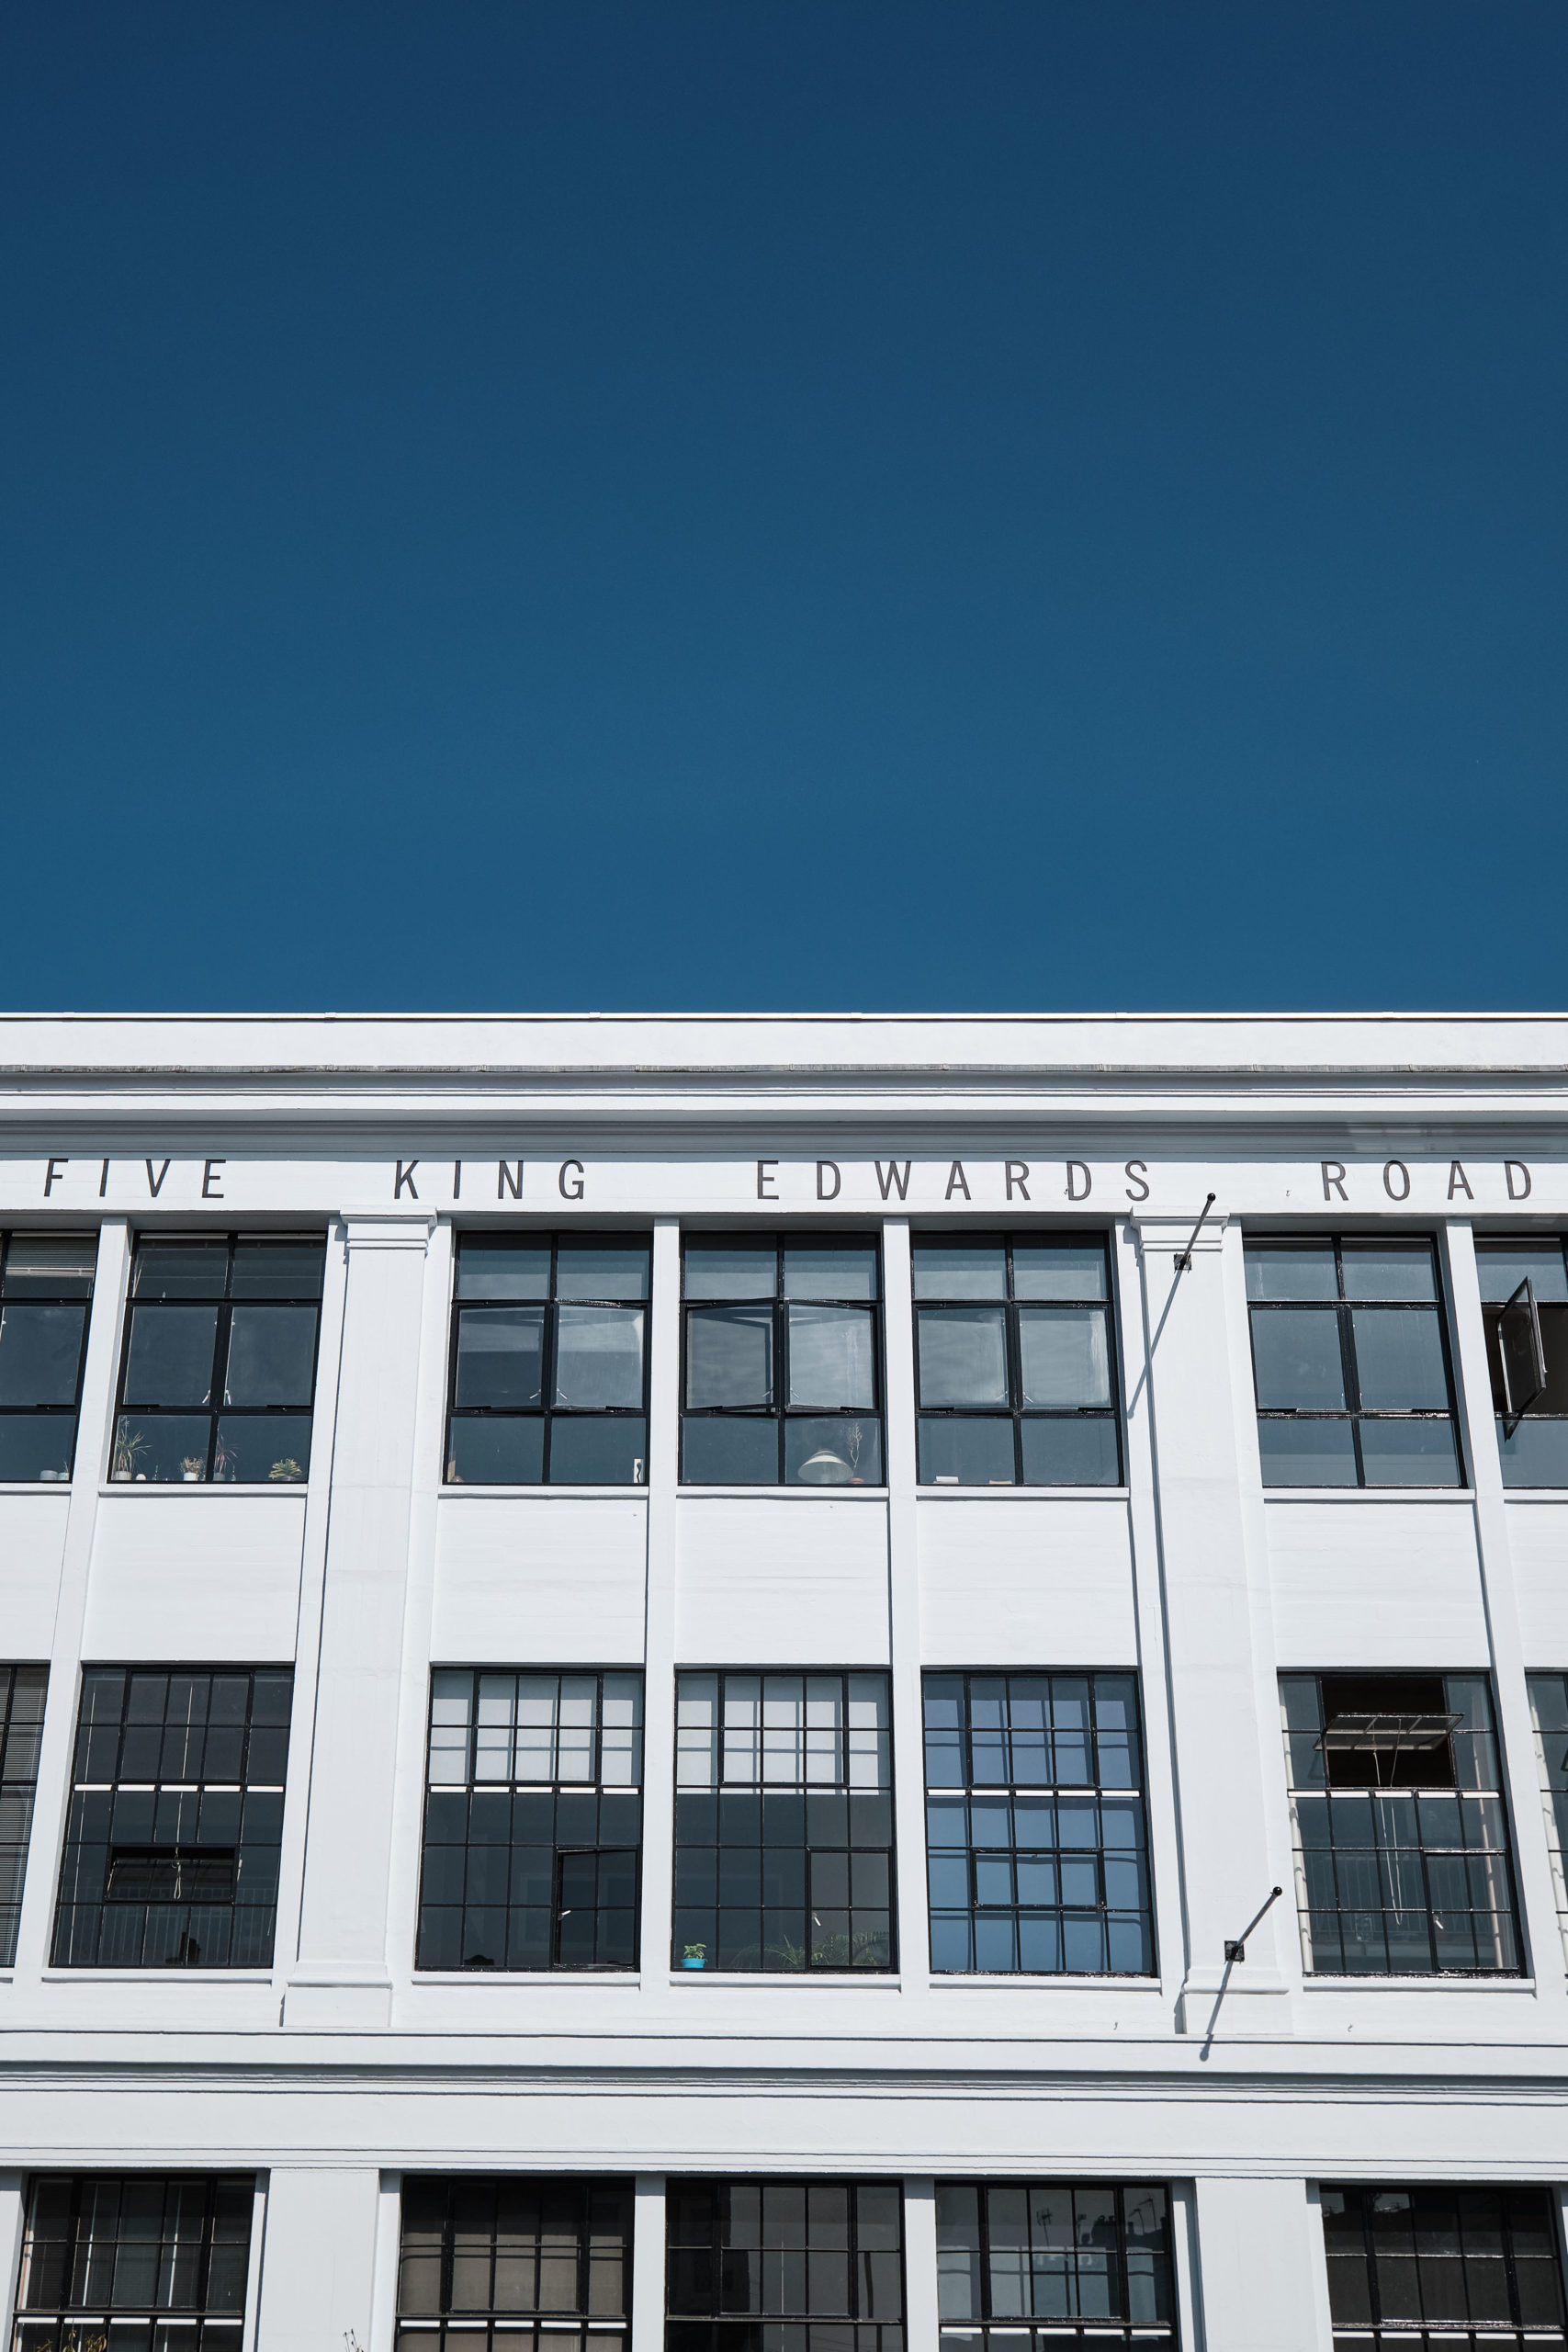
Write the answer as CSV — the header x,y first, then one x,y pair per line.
x,y
278,1488
888,1980
1011,1493
1368,1494
1535,1494
35,1486
801,1493
1015,1980
1316,1981
157,1975
462,1487
629,1980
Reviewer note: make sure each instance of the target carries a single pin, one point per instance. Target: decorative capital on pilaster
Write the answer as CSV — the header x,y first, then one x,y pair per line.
x,y
388,1228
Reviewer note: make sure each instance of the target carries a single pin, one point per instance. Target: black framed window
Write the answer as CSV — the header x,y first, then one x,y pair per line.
x,y
1524,1300
1037,1845
1548,1713
784,2266
146,2262
217,1377
23,1690
515,2264
46,1293
177,1818
784,1821
549,1377
1015,1361
1399,1824
1350,1361
782,1378
1029,2265
1463,2269
533,1820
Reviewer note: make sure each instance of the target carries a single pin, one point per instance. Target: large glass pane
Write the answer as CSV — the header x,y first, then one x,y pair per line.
x,y
1537,1454
1389,1269
40,1351
1059,1270
272,1355
831,1356
1070,1453
1064,1354
1291,1269
166,1448
729,1453
169,1361
725,1269
729,1356
501,1356
499,1453
598,1356
832,1452
1307,1454
37,1446
601,1271
1409,1453
1399,1360
47,1265
825,1271
965,1451
963,1355
612,1452
957,1270
268,1449
180,1270
497,1270
282,1269
1296,1359
1504,1265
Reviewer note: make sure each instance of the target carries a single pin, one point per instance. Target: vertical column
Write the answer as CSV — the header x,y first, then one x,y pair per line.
x,y
1256,2242
922,2318
1533,1857
251,2326
342,1976
659,1628
646,2312
318,2260
903,1607
1228,1863
384,2275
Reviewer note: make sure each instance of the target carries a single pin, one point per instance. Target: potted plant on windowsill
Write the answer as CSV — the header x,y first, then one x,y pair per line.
x,y
193,1469
695,1956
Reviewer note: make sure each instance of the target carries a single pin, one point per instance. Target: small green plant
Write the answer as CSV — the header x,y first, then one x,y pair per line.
x,y
286,1471
128,1445
194,1466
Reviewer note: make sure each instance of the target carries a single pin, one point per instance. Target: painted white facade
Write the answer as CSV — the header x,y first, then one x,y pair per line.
x,y
339,2070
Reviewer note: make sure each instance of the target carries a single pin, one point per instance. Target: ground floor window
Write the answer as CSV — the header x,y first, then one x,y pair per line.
x,y
784,2266
1026,2266
1466,2269
144,2262
515,2264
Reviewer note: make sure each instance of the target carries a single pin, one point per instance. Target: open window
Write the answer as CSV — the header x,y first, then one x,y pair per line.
x,y
1524,1293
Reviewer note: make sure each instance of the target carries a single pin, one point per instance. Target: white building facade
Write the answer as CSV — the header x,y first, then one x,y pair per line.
x,y
783,1685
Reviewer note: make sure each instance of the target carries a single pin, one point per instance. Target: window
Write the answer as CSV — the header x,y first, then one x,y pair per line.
x,y
1400,1830
22,1692
1458,2268
218,1375
1351,1363
515,2264
1017,2263
533,1821
1037,1842
1548,1711
177,1818
146,2262
810,2259
783,1821
782,1369
1526,1352
548,1380
46,1288
1015,1362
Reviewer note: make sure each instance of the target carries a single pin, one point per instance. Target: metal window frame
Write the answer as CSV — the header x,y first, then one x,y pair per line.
x,y
1492,1313
72,1412
1343,1308
1416,2334
761,1789
721,2185
586,2186
1066,2330
546,1413
70,2319
245,1785
215,1410
780,1238
967,1675
1006,1239
557,1788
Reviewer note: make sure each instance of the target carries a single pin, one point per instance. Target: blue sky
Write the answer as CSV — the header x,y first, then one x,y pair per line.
x,y
737,506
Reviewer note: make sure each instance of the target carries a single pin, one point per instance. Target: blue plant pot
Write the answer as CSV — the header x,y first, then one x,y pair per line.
x,y
688,1963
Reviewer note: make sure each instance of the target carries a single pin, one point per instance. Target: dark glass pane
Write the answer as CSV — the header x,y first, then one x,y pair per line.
x,y
283,1269
725,1270
1399,1361
601,1269
832,1356
1504,1265
273,1449
1291,1269
1064,1354
593,1453
40,1351
599,1357
729,1356
169,1361
959,1270
1307,1454
499,1356
965,1451
1389,1269
1537,1454
1070,1453
47,1265
724,1452
826,1269
1296,1359
272,1355
180,1270
500,1453
37,1446
164,1448
1059,1270
1409,1453
499,1270
962,1355
836,1452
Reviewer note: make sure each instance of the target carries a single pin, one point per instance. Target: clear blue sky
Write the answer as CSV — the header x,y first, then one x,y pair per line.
x,y
744,505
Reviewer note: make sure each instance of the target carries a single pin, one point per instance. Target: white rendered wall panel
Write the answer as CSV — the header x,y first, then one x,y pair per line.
x,y
1375,1583
206,1576
1025,1583
318,2259
32,1546
1538,1539
769,1582
555,1579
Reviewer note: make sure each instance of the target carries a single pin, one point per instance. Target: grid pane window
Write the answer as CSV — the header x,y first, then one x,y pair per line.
x,y
784,2266
781,1381
134,2261
218,1378
1350,1362
1025,2266
548,1376
1549,1711
784,1821
515,2264
22,1692
1526,1352
1399,1825
46,1290
177,1818
1465,2269
1015,1361
533,1820
1037,1847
